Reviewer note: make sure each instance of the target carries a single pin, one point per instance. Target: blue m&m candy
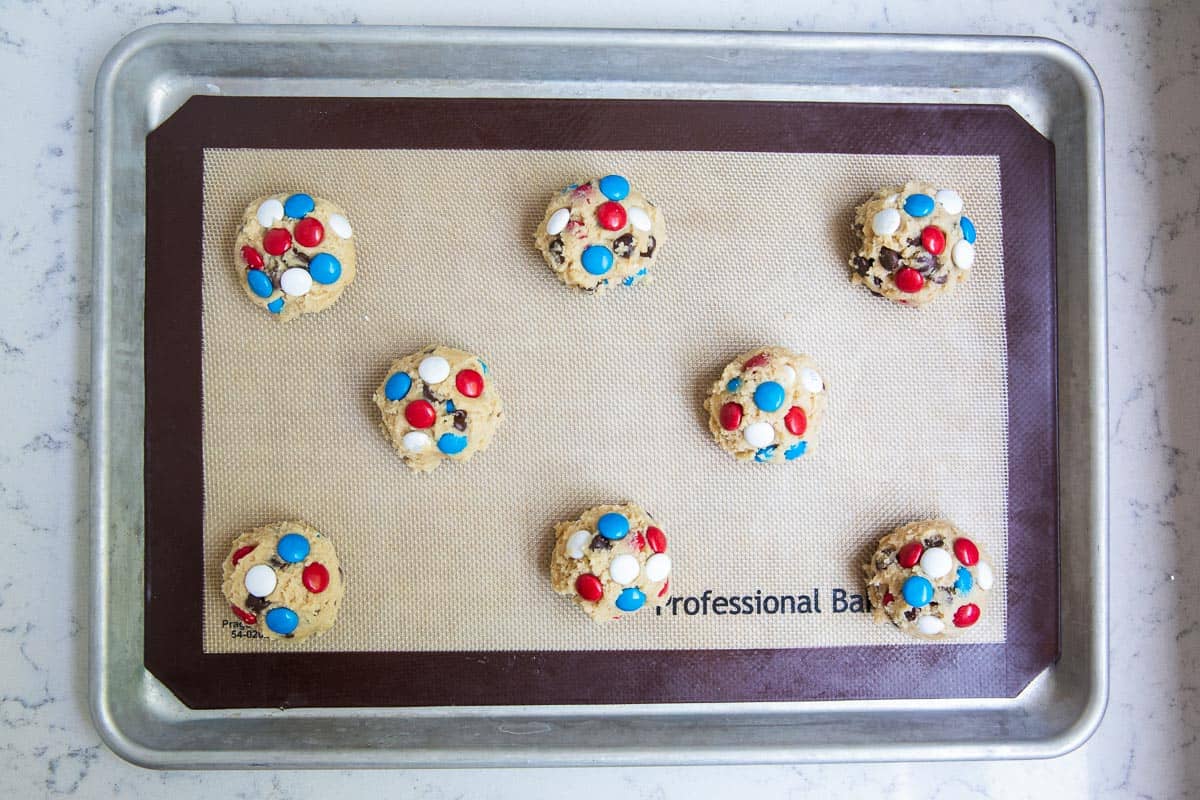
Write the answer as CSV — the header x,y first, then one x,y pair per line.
x,y
733,385
298,205
325,269
614,187
613,526
451,443
917,591
631,599
968,229
282,620
918,205
276,305
397,386
597,259
292,548
769,396
765,453
964,582
795,451
259,283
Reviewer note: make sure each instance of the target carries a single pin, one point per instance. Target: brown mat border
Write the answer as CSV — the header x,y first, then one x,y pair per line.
x,y
173,438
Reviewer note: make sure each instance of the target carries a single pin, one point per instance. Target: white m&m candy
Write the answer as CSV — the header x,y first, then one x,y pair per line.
x,y
811,381
260,580
340,226
558,220
577,542
886,222
949,200
658,567
963,254
296,282
930,626
624,569
638,218
434,369
759,434
416,441
270,212
936,562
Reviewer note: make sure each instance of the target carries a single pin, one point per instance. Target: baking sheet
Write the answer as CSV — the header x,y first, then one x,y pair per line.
x,y
144,653
602,395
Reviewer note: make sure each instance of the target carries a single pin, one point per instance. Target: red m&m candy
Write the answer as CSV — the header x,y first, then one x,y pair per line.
x,y
663,590
469,382
315,577
909,280
730,416
932,239
796,421
244,616
656,539
910,554
966,616
252,257
966,551
589,587
277,241
309,232
611,216
420,414
242,552
757,361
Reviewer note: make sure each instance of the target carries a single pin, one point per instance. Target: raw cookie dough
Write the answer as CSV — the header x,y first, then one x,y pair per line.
x,y
600,233
284,580
928,579
766,405
294,254
916,243
611,561
438,404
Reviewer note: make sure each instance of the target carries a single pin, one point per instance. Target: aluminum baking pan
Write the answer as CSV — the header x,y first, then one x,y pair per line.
x,y
152,72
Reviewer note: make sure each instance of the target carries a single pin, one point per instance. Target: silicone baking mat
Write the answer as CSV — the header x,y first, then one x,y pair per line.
x,y
602,397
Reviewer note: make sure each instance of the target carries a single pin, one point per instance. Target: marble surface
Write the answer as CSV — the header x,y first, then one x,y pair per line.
x,y
1148,60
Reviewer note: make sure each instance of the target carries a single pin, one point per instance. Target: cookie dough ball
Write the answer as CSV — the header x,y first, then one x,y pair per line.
x,y
916,243
294,254
767,405
438,404
600,233
611,561
928,579
284,580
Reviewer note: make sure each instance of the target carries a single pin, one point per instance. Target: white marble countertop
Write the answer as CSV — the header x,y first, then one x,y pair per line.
x,y
1148,60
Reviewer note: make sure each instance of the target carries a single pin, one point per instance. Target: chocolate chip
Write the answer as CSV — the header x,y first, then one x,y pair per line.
x,y
301,257
460,420
889,258
556,249
429,395
934,541
877,280
861,264
256,604
911,614
600,543
915,242
925,263
277,563
650,245
942,278
623,245
883,561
